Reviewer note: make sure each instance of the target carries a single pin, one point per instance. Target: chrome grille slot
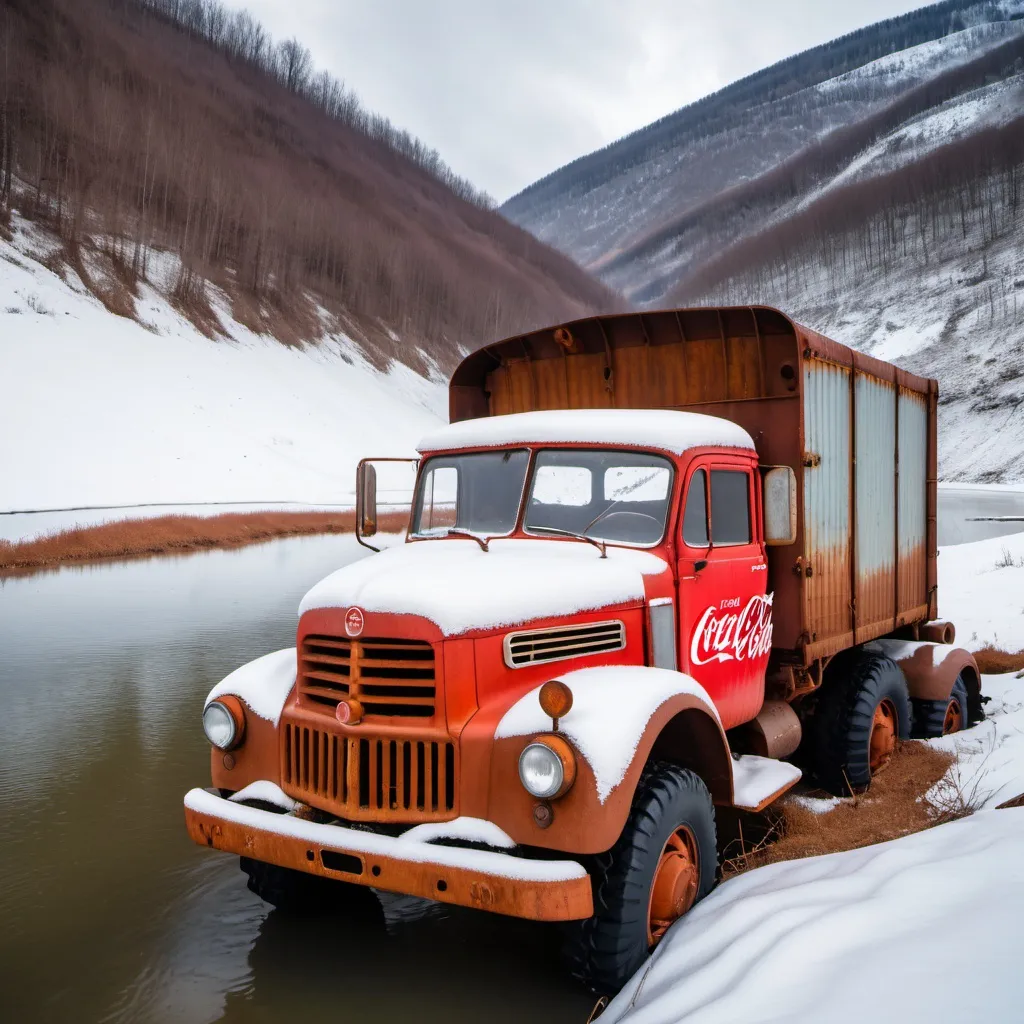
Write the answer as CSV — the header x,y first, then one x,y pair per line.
x,y
369,777
559,643
392,677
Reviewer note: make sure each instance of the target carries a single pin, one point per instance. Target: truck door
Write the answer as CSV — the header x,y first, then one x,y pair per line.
x,y
725,624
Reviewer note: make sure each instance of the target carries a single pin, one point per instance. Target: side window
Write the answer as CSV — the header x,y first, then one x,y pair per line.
x,y
440,500
730,507
695,515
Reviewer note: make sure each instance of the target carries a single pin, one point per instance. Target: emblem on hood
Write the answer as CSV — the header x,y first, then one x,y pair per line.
x,y
354,621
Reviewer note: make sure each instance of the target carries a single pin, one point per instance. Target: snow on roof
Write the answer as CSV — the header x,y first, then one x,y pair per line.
x,y
460,588
667,429
604,728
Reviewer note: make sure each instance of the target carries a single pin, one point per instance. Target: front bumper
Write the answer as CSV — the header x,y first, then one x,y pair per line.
x,y
540,890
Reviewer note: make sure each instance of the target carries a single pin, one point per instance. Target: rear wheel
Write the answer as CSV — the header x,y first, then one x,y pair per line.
x,y
862,714
301,893
942,717
663,863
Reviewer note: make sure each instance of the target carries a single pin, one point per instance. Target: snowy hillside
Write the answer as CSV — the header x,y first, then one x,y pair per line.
x,y
607,210
100,409
882,205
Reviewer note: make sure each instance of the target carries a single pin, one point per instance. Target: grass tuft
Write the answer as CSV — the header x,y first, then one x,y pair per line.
x,y
165,535
894,806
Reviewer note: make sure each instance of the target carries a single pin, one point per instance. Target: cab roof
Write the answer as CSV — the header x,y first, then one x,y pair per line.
x,y
665,429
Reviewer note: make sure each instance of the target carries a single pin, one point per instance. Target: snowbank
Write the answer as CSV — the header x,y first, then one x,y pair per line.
x,y
107,411
926,927
990,756
981,594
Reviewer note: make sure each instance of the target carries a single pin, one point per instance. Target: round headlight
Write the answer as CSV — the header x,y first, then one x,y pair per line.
x,y
541,771
219,726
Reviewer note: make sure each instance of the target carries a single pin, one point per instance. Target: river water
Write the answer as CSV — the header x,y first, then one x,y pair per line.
x,y
107,910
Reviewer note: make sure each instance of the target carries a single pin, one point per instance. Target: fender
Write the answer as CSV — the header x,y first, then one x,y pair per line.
x,y
621,716
264,686
931,669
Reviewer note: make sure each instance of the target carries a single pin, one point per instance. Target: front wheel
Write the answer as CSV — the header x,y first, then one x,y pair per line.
x,y
663,863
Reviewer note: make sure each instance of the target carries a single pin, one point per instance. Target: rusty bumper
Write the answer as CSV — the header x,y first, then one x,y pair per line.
x,y
540,890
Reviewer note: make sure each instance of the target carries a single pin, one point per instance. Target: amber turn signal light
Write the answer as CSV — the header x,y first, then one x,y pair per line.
x,y
349,712
555,700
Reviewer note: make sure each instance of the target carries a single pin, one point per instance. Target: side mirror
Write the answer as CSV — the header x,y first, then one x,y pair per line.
x,y
779,505
700,564
366,500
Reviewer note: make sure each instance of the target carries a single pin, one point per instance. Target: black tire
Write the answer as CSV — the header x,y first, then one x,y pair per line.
x,y
930,715
855,685
605,950
299,893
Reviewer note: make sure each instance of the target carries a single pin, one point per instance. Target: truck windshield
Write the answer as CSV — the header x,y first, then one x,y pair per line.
x,y
615,496
479,492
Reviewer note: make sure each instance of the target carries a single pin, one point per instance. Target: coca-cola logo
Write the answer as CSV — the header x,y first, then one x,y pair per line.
x,y
354,621
733,636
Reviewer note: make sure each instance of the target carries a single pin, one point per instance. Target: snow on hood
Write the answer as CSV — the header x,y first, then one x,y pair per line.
x,y
460,587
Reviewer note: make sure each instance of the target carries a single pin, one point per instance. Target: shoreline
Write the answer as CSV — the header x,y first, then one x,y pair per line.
x,y
151,537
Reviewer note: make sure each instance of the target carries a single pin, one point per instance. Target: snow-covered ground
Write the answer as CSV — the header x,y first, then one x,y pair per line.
x,y
923,928
100,410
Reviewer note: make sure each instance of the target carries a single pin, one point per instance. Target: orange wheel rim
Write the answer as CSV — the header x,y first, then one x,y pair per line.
x,y
954,720
883,736
676,880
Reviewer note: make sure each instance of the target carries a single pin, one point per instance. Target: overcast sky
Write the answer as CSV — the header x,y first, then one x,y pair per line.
x,y
508,90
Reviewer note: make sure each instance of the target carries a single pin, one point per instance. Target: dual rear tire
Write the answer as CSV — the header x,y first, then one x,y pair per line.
x,y
863,711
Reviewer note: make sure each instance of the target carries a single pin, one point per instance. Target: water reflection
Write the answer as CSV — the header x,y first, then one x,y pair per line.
x,y
109,912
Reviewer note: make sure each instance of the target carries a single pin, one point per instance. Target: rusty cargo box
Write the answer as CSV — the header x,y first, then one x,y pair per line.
x,y
859,433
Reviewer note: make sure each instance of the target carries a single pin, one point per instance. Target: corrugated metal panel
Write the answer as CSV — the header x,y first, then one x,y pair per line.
x,y
827,501
875,452
913,467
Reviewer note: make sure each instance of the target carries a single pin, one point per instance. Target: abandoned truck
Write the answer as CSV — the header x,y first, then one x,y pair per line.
x,y
651,557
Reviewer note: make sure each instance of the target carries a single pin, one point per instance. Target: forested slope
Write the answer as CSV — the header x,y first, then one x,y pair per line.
x,y
129,127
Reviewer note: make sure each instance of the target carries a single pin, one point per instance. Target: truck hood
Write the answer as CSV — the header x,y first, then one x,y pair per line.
x,y
460,587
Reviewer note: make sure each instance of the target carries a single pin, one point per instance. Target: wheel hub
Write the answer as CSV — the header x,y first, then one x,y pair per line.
x,y
954,720
883,736
676,880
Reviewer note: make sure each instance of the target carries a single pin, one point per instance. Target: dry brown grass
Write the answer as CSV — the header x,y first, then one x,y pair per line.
x,y
893,807
163,535
993,661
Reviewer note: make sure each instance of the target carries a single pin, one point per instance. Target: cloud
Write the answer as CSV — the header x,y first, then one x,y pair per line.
x,y
507,92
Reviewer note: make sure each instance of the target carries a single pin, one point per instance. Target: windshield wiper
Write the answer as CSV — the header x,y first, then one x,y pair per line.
x,y
599,544
459,532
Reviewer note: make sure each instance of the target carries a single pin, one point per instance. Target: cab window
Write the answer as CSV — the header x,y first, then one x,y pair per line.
x,y
730,507
695,515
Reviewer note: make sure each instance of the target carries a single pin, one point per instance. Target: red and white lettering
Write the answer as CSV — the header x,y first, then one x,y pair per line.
x,y
737,636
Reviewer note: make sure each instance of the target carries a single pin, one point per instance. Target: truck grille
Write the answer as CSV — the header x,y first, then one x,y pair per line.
x,y
369,777
536,646
388,677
